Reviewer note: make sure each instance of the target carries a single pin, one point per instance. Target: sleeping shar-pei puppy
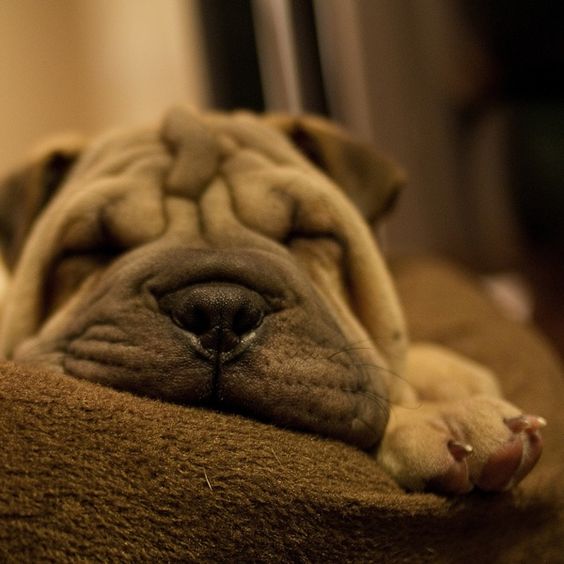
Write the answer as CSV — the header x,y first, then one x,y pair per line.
x,y
218,261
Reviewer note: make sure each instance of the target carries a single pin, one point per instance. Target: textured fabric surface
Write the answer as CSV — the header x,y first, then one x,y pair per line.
x,y
88,473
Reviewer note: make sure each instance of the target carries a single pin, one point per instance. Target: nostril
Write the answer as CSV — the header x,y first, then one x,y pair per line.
x,y
247,318
193,318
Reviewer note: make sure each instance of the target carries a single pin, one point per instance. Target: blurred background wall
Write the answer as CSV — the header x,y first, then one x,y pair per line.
x,y
467,95
86,65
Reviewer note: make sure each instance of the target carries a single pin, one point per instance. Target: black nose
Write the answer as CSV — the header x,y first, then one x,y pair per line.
x,y
218,314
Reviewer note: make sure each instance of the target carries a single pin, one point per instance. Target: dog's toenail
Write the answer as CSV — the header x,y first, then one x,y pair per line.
x,y
459,450
517,424
525,423
541,421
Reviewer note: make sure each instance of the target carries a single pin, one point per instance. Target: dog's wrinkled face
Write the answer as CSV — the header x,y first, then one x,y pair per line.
x,y
209,263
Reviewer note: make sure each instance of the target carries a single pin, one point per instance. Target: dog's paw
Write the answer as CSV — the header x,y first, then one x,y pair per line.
x,y
454,447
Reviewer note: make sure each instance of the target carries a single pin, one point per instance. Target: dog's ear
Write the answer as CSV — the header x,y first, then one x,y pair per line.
x,y
371,180
27,190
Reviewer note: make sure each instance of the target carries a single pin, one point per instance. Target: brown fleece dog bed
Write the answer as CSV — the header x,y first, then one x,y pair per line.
x,y
88,473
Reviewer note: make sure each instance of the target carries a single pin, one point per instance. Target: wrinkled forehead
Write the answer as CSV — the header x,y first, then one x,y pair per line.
x,y
205,145
187,151
125,181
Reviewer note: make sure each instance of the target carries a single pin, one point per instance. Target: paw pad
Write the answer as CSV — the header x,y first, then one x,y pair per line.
x,y
513,460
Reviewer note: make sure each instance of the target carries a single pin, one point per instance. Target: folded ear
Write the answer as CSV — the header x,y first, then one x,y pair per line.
x,y
371,180
27,190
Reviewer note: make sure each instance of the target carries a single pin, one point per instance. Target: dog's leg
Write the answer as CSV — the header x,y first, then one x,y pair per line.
x,y
450,431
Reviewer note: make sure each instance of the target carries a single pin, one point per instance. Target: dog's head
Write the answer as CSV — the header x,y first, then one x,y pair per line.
x,y
209,262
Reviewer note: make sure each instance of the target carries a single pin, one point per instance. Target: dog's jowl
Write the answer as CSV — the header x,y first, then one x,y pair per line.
x,y
219,261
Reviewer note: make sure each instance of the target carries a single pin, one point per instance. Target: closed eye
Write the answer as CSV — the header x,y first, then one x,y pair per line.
x,y
321,247
328,241
304,234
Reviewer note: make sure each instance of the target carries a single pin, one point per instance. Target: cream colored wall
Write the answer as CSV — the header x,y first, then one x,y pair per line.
x,y
40,80
90,64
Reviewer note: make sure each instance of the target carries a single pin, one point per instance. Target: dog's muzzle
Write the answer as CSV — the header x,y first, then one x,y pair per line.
x,y
239,330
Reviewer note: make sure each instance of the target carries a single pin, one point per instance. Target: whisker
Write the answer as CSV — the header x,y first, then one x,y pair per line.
x,y
382,401
378,367
351,347
366,365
